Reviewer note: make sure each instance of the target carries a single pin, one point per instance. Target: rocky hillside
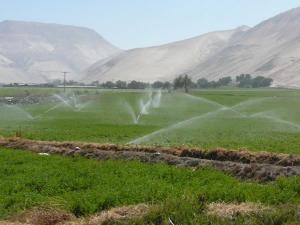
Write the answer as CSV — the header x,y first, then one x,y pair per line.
x,y
272,49
160,62
34,52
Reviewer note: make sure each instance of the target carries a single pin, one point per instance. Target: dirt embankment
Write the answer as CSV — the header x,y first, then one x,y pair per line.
x,y
261,166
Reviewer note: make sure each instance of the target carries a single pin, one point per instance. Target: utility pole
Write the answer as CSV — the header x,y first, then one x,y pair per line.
x,y
65,74
186,83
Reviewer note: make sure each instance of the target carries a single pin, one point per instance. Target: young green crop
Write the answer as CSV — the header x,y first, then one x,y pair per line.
x,y
254,119
84,186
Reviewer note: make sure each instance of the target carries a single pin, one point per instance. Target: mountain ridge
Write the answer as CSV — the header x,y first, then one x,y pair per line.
x,y
34,48
268,49
177,56
271,49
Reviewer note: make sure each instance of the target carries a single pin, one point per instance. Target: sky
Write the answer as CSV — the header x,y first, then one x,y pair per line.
x,y
140,23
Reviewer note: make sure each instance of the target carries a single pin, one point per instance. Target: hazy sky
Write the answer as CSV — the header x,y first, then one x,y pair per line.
x,y
138,23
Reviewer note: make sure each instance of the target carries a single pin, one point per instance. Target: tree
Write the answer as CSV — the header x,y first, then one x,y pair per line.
x,y
178,82
202,83
167,85
244,80
243,77
187,83
133,85
261,81
157,85
224,81
183,81
108,84
137,85
121,84
213,84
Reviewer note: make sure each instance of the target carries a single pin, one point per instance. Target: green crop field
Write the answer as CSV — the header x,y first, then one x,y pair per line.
x,y
254,119
84,186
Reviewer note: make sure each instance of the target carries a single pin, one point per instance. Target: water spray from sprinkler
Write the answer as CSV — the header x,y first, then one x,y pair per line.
x,y
153,101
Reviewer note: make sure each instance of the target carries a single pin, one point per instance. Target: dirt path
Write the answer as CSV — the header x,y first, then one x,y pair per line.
x,y
261,166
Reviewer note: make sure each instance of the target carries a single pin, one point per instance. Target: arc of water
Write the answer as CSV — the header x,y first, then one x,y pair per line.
x,y
77,106
276,119
174,126
64,101
191,120
74,98
131,111
145,107
243,103
157,99
49,110
204,100
81,106
21,110
153,101
73,102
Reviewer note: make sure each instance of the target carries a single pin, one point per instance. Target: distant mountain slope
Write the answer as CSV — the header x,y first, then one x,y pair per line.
x,y
271,49
28,48
160,62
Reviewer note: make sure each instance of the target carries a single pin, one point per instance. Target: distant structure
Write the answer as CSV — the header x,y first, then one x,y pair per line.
x,y
65,74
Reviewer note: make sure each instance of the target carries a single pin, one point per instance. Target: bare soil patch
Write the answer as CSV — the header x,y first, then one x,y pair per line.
x,y
231,210
112,215
39,216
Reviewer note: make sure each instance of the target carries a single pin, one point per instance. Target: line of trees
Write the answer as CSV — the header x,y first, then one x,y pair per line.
x,y
243,80
186,83
204,83
134,85
246,80
181,82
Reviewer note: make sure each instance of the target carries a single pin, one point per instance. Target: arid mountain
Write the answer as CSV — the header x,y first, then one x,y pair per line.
x,y
271,49
160,62
35,52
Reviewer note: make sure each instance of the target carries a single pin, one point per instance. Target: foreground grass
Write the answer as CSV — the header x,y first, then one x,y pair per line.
x,y
83,186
